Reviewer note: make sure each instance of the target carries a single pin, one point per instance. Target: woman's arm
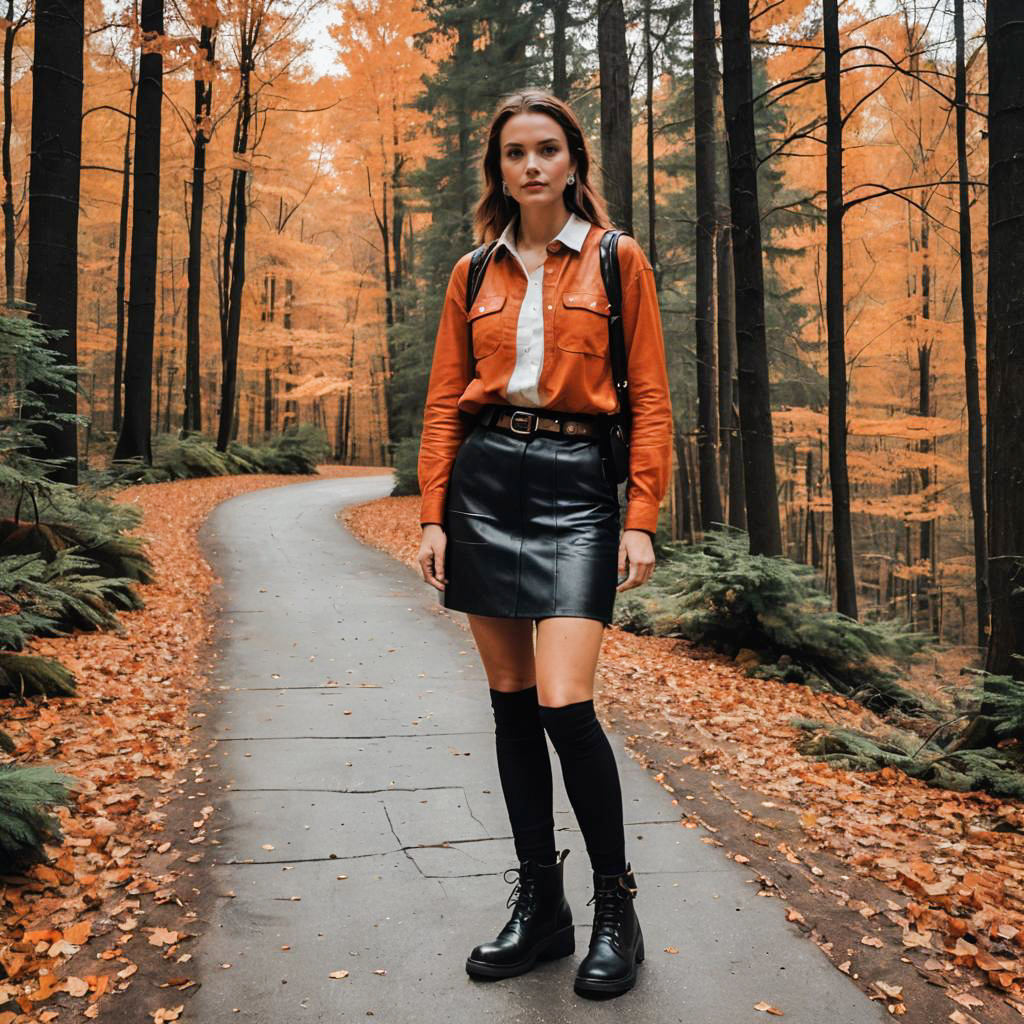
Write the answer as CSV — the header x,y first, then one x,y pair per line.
x,y
651,437
443,426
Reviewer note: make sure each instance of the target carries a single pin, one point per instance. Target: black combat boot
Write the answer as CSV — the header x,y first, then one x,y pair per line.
x,y
616,943
540,927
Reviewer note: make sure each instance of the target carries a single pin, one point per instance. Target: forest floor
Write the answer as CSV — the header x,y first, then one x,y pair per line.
x,y
914,892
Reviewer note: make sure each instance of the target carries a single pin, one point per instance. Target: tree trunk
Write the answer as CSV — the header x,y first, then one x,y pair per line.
x,y
842,532
1005,341
616,121
234,247
814,551
51,285
560,48
192,418
975,453
652,200
397,217
752,349
1004,355
730,446
704,314
685,508
122,255
134,438
10,240
926,551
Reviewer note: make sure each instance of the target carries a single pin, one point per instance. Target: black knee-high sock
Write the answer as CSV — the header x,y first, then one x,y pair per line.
x,y
591,780
524,768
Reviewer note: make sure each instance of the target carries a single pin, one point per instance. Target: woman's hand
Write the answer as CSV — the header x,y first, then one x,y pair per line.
x,y
636,548
431,555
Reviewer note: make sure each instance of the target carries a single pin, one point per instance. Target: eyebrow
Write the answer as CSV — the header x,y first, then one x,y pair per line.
x,y
541,143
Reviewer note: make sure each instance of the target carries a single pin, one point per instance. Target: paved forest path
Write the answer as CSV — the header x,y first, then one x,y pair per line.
x,y
354,736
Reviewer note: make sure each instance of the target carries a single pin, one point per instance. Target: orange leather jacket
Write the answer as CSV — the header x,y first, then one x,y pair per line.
x,y
576,375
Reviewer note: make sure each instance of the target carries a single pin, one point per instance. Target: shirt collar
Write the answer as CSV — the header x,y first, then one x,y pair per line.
x,y
572,234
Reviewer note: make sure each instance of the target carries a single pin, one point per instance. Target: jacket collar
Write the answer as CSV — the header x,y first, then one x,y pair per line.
x,y
572,234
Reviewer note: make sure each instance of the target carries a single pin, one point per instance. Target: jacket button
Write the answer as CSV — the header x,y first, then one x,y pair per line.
x,y
570,428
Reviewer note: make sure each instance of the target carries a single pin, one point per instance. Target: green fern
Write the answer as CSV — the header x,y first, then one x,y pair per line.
x,y
26,791
76,598
64,593
717,593
1004,695
195,455
31,675
989,769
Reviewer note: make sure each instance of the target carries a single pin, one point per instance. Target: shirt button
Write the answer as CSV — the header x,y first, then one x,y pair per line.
x,y
551,307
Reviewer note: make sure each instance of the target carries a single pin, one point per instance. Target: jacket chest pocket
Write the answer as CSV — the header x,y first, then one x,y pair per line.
x,y
581,323
485,323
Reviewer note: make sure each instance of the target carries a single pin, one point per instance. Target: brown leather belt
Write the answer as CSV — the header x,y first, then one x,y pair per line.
x,y
521,422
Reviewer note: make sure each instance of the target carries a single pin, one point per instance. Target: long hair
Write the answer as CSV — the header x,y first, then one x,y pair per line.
x,y
495,209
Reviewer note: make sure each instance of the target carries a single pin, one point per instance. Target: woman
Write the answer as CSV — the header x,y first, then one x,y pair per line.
x,y
520,525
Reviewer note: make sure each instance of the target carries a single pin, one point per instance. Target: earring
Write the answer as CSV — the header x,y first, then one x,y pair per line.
x,y
504,187
571,179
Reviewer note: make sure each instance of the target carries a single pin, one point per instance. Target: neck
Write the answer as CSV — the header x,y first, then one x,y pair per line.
x,y
537,226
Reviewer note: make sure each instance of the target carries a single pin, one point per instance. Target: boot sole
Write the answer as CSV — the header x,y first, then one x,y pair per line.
x,y
589,986
558,944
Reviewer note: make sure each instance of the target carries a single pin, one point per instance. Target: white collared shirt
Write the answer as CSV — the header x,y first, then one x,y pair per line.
x,y
522,384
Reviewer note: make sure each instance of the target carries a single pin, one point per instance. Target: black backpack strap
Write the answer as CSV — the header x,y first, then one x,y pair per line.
x,y
477,268
616,341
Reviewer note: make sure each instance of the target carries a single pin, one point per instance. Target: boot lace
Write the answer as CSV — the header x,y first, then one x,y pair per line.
x,y
524,894
609,910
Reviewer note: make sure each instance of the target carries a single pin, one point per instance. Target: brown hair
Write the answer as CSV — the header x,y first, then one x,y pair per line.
x,y
495,209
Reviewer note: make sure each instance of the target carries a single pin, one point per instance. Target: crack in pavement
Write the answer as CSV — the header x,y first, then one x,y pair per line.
x,y
445,844
470,809
384,789
378,736
299,686
402,848
398,839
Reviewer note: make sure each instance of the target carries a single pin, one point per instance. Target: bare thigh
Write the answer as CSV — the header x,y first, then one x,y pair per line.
x,y
506,650
567,653
561,663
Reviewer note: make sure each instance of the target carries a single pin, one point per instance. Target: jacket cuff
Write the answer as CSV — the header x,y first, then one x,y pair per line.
x,y
640,516
432,509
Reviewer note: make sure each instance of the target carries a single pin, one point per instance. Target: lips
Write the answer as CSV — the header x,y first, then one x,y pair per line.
x,y
537,184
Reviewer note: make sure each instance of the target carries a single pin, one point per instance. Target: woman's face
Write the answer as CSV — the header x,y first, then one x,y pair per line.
x,y
535,158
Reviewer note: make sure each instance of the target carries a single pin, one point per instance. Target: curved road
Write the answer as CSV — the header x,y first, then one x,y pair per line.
x,y
354,736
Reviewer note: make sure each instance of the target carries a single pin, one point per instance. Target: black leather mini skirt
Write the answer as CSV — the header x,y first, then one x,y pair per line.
x,y
532,527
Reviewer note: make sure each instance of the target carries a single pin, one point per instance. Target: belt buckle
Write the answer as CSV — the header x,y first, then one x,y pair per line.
x,y
529,415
